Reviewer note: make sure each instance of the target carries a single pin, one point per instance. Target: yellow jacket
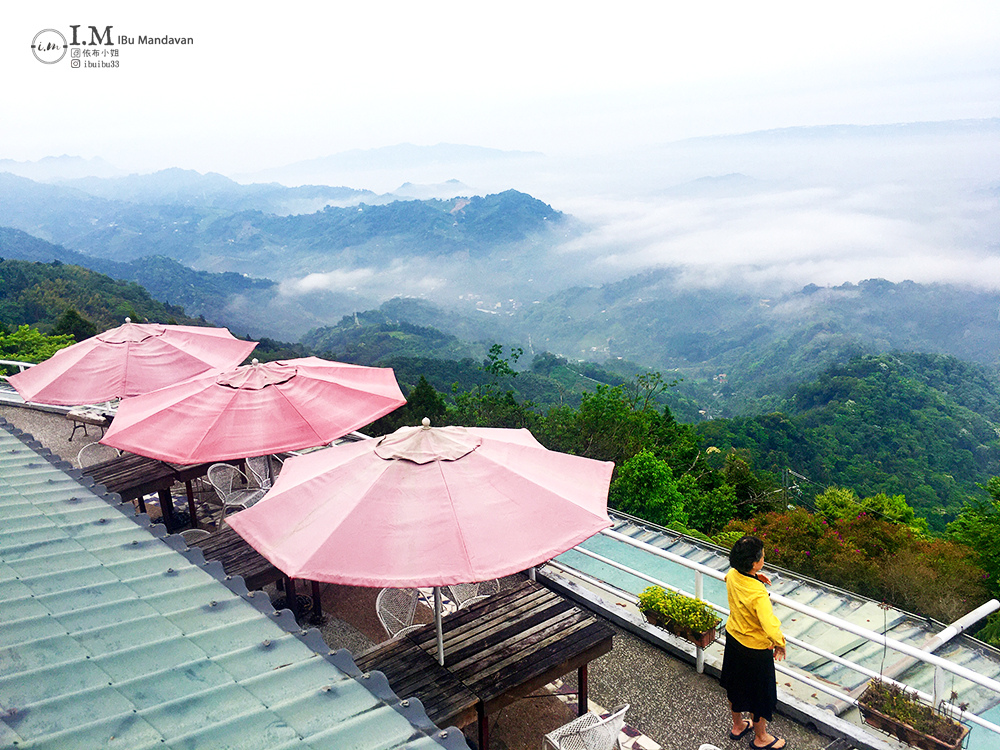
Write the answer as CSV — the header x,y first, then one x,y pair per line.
x,y
751,619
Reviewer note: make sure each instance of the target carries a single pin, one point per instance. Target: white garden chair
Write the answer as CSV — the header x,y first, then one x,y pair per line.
x,y
395,609
233,490
465,594
589,732
264,469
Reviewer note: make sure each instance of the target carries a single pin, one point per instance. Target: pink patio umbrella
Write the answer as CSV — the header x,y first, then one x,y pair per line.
x,y
254,410
427,507
128,360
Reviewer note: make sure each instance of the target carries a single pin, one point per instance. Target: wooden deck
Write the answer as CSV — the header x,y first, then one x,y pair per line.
x,y
499,650
238,558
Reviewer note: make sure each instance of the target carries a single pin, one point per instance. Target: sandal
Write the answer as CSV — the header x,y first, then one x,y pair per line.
x,y
737,737
768,745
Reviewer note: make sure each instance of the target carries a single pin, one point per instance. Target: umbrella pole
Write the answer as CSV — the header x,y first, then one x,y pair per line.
x,y
437,620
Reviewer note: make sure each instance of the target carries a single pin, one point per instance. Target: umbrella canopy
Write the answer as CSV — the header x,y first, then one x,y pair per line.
x,y
254,410
427,507
128,360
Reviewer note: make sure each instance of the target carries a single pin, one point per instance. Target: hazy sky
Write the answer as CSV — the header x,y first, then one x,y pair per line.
x,y
597,88
265,83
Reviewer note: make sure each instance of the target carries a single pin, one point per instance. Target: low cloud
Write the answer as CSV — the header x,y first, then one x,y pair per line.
x,y
331,281
794,236
411,277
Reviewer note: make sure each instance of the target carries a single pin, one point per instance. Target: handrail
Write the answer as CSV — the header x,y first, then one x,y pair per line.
x,y
805,609
21,366
919,654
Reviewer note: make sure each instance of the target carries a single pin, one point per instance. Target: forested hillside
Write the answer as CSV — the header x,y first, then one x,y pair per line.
x,y
207,234
740,350
921,425
39,294
867,439
227,298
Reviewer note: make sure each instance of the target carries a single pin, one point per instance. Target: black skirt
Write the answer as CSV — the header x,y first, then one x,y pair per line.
x,y
749,679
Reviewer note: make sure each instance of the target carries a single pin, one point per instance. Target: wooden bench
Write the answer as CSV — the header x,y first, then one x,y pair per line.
x,y
83,417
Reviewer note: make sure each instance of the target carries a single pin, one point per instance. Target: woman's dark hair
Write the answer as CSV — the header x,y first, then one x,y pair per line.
x,y
745,553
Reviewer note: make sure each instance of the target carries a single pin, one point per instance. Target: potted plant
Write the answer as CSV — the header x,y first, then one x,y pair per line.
x,y
682,615
891,709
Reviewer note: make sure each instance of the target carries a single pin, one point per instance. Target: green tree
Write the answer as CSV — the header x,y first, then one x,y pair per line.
x,y
708,511
837,502
493,403
72,323
422,401
753,493
645,487
27,344
614,423
978,525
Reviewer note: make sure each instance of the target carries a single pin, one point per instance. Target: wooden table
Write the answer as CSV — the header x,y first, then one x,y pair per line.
x,y
133,477
500,649
413,672
238,558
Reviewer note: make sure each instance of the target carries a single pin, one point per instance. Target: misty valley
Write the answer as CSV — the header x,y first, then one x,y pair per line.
x,y
768,349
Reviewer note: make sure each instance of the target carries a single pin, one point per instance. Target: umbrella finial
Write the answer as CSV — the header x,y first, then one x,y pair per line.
x,y
426,423
128,320
254,361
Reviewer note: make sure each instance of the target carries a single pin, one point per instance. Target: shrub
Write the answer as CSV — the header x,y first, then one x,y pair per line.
x,y
875,558
727,538
684,611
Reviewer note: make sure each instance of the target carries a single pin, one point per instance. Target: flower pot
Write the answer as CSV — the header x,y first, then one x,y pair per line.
x,y
702,640
653,618
905,732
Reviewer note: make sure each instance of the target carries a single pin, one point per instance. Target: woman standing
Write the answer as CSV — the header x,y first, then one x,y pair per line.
x,y
753,643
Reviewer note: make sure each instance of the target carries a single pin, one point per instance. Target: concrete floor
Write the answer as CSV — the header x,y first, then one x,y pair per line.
x,y
669,702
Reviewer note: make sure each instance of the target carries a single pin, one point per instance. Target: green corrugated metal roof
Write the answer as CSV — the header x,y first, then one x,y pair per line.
x,y
115,635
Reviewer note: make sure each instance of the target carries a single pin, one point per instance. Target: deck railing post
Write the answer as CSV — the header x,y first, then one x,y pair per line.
x,y
699,591
938,686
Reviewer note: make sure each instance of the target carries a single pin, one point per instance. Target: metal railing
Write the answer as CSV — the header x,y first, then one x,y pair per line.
x,y
940,665
21,367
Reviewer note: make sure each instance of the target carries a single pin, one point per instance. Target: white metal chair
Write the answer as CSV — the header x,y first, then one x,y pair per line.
x,y
589,732
233,490
263,469
464,594
94,453
395,609
192,536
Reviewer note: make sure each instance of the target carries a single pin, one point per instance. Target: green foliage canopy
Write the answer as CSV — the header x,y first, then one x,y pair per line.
x,y
27,344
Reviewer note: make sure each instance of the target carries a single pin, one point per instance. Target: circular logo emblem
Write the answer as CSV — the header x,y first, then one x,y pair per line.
x,y
49,46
